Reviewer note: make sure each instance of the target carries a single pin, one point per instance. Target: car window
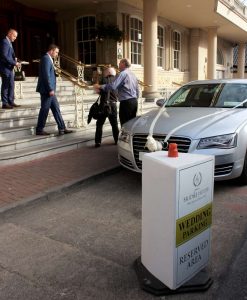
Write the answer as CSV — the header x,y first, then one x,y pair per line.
x,y
232,95
179,98
198,95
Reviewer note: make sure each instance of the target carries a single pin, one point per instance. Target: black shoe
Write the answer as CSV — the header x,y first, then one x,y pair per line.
x,y
42,133
7,106
116,142
15,105
97,145
64,131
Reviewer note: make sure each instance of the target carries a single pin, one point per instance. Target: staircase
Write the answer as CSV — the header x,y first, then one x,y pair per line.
x,y
18,142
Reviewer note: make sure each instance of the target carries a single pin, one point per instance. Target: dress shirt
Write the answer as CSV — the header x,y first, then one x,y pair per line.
x,y
126,84
52,61
10,43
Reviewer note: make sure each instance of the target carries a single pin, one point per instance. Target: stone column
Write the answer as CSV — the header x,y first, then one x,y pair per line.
x,y
194,53
150,49
241,60
212,53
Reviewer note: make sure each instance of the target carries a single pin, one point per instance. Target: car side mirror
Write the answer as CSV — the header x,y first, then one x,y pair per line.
x,y
160,102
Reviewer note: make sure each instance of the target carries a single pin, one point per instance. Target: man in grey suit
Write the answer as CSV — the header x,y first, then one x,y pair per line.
x,y
7,63
47,88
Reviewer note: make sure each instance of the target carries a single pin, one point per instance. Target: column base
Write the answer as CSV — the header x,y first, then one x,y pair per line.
x,y
150,96
149,283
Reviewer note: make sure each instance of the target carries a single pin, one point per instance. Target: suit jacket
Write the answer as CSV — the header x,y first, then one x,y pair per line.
x,y
47,77
7,57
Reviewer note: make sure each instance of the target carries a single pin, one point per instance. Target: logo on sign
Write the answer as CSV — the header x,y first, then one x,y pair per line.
x,y
197,180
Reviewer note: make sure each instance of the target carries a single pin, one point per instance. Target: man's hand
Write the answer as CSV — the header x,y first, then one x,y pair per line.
x,y
96,87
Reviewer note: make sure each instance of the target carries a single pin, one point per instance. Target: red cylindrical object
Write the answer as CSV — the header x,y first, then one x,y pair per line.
x,y
173,150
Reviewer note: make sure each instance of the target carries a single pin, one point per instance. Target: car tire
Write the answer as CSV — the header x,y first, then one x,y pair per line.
x,y
243,176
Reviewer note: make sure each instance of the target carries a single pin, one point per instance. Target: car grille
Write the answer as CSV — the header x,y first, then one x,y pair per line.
x,y
125,162
222,170
139,141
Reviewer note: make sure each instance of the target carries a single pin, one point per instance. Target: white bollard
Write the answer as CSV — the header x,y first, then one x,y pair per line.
x,y
177,195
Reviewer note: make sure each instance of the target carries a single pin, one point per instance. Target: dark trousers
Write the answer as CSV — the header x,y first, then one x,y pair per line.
x,y
7,88
113,121
49,102
127,110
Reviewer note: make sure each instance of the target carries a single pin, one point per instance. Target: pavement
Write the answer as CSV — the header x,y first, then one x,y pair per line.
x,y
28,181
43,178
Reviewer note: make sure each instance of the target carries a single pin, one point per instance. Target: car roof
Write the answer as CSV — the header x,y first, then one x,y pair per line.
x,y
215,81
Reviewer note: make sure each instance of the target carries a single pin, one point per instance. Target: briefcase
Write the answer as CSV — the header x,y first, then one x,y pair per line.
x,y
19,75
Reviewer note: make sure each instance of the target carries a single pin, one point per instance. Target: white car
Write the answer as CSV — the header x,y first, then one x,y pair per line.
x,y
203,117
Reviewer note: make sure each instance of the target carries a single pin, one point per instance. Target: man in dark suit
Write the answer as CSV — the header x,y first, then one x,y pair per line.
x,y
47,87
7,63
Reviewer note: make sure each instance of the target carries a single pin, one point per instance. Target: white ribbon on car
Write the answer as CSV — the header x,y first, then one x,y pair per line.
x,y
153,145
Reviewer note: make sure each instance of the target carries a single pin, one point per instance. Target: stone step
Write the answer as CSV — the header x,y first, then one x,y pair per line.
x,y
68,116
26,91
31,83
30,110
34,140
61,144
25,110
21,132
34,98
61,100
33,80
34,95
26,142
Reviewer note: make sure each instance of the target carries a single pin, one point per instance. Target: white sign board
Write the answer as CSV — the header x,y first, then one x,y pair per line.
x,y
177,195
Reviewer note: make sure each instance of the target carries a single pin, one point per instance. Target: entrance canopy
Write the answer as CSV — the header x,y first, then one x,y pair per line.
x,y
228,16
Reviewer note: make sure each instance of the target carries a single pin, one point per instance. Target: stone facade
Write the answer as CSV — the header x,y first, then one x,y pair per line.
x,y
193,63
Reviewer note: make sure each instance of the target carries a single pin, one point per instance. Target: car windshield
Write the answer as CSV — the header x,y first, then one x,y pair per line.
x,y
210,95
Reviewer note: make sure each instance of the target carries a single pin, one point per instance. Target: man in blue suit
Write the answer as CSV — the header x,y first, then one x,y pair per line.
x,y
47,88
7,63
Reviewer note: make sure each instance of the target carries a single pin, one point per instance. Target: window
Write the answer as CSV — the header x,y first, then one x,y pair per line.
x,y
85,28
176,49
136,41
235,55
160,47
220,59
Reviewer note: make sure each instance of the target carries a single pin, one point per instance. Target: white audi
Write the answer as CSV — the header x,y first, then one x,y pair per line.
x,y
203,117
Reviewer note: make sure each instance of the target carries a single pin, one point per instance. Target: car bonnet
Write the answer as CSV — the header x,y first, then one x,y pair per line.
x,y
195,122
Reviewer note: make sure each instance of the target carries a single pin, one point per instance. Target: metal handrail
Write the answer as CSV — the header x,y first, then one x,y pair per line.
x,y
73,60
67,75
70,77
79,63
177,83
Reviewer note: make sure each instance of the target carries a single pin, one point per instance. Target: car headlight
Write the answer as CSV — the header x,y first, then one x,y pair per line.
x,y
226,141
124,136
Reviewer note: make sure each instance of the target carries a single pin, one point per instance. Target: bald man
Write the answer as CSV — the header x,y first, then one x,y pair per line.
x,y
126,84
7,63
108,103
